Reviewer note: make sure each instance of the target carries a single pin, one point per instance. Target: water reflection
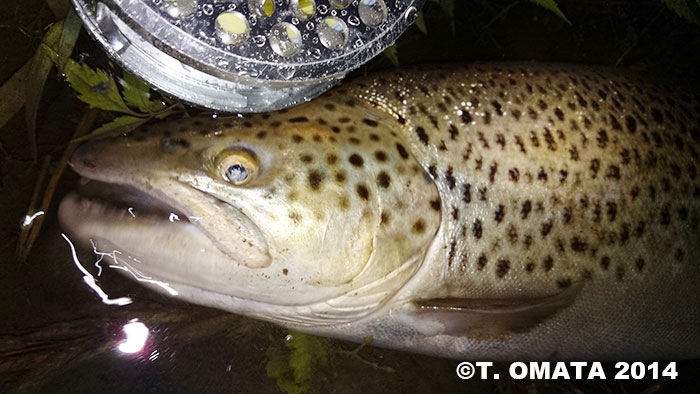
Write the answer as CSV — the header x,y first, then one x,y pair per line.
x,y
136,336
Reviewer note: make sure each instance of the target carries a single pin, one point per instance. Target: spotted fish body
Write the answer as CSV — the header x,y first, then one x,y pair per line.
x,y
494,211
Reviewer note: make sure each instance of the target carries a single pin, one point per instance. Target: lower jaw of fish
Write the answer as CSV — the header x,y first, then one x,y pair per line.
x,y
141,236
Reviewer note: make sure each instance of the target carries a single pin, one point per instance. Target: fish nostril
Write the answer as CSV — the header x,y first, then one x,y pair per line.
x,y
84,157
88,163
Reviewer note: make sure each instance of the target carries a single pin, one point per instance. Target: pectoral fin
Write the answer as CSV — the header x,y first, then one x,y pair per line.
x,y
494,318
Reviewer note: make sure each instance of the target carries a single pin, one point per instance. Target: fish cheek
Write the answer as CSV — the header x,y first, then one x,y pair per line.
x,y
409,218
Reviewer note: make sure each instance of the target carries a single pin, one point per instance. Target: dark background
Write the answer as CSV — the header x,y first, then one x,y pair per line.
x,y
46,290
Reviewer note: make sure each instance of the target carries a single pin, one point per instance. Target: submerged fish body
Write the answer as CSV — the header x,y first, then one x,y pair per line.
x,y
493,211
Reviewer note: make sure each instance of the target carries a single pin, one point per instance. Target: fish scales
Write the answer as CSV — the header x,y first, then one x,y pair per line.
x,y
500,211
550,175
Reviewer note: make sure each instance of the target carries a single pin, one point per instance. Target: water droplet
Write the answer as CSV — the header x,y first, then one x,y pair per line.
x,y
333,33
410,14
340,4
353,20
322,9
373,12
259,40
285,39
261,8
208,9
303,9
232,28
178,8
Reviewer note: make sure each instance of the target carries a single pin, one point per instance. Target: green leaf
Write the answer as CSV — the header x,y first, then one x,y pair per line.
x,y
687,9
420,23
551,5
95,87
119,125
137,94
392,53
294,369
56,47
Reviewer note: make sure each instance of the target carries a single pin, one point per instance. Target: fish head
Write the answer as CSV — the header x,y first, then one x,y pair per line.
x,y
276,211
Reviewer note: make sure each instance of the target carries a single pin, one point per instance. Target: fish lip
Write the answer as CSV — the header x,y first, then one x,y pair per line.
x,y
107,195
119,195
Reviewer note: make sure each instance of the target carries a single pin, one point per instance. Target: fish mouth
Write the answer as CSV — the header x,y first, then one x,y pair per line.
x,y
116,202
116,211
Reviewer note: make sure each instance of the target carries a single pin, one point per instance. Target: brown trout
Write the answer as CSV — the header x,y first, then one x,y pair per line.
x,y
503,211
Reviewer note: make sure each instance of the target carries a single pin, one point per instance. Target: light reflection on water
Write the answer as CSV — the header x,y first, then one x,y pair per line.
x,y
136,336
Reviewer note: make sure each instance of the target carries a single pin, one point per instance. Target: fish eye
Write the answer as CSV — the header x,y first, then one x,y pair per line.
x,y
237,167
236,174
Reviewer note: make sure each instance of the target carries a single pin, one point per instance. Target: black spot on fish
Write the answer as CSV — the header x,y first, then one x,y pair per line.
x,y
306,158
370,122
402,151
451,181
546,228
386,218
383,180
525,210
418,226
620,273
297,138
451,255
380,156
315,179
466,117
466,193
331,159
564,283
559,113
477,229
605,263
578,245
502,267
493,169
530,266
435,204
611,210
481,262
362,191
514,174
548,263
298,119
420,132
454,132
356,160
499,214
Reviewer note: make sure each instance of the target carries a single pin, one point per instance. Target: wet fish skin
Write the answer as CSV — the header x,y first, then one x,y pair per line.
x,y
524,211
